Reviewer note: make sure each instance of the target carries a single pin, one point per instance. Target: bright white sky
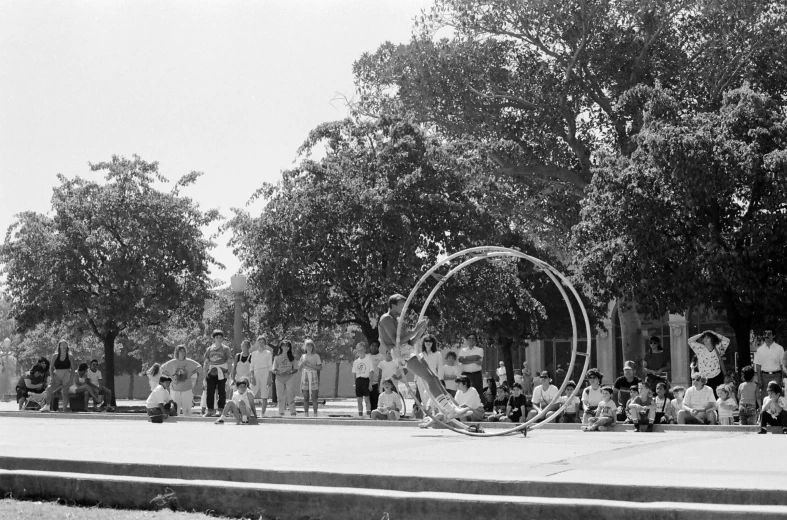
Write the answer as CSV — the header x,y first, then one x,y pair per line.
x,y
227,88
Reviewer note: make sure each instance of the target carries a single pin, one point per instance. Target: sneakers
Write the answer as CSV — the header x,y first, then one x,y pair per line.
x,y
762,431
45,408
636,428
650,428
220,420
244,419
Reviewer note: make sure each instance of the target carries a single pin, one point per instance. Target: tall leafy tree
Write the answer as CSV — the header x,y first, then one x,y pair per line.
x,y
547,88
697,215
113,257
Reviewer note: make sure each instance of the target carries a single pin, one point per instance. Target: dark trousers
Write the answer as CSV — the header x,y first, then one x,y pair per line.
x,y
273,396
374,395
714,382
767,419
216,385
477,382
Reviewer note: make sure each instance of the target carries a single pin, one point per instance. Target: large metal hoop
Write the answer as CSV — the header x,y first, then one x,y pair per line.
x,y
485,253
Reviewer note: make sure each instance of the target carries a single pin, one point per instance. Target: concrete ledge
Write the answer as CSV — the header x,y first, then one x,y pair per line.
x,y
291,502
544,488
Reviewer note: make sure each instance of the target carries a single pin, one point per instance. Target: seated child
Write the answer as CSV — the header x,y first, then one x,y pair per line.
x,y
499,406
241,406
725,404
773,409
663,405
160,405
389,403
748,397
516,408
571,411
605,413
677,403
641,408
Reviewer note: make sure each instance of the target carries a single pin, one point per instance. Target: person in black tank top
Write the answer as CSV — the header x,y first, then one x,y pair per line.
x,y
61,377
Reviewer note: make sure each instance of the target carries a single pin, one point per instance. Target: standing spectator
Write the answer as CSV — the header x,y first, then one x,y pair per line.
x,y
362,369
310,365
285,371
160,405
748,397
656,364
97,380
432,357
241,364
261,363
604,419
181,369
153,374
773,409
591,395
516,408
501,373
768,362
471,356
571,411
61,377
390,369
542,396
725,404
389,406
622,388
527,379
451,370
698,404
216,368
709,347
376,357
31,381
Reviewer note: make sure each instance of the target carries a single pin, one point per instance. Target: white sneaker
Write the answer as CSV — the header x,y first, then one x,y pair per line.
x,y
45,408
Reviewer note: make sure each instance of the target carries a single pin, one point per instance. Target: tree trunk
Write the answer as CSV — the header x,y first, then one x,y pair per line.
x,y
741,325
633,347
109,361
336,380
132,377
369,332
504,347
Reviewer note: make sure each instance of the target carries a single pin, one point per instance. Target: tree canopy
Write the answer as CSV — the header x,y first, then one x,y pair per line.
x,y
697,215
113,257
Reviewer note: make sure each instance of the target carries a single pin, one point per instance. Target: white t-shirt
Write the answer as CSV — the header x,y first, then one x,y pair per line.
x,y
769,358
159,395
387,400
376,360
388,369
542,397
435,362
94,377
470,398
501,374
237,397
698,398
451,370
591,397
362,367
262,360
474,351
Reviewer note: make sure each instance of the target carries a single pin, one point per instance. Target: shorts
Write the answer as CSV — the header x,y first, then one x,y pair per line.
x,y
260,386
22,393
61,378
362,387
312,385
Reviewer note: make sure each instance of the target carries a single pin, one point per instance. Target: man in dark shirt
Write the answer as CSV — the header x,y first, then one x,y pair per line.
x,y
621,392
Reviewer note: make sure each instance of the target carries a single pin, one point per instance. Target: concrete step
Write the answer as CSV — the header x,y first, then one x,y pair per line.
x,y
346,503
544,488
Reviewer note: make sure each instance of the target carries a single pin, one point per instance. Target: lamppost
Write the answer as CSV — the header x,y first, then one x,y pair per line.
x,y
238,284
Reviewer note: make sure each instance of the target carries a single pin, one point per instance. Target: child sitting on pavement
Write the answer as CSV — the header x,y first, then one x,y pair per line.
x,y
241,406
499,406
160,405
748,397
571,411
725,405
516,409
774,407
663,405
605,413
389,404
677,403
642,408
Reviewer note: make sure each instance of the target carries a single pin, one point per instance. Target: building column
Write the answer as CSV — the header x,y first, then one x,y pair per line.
x,y
534,355
679,350
605,344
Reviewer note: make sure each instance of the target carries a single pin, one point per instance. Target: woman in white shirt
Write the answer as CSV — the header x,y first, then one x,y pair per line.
x,y
591,395
434,359
310,365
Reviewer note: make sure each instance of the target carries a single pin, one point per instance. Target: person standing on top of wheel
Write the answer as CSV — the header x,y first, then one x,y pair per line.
x,y
471,356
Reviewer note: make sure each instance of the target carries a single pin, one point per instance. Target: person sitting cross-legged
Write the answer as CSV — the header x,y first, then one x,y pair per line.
x,y
605,416
542,396
516,408
241,405
160,405
774,409
468,405
699,403
389,403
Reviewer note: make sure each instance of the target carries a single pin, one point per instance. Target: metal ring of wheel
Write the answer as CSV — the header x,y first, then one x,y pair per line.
x,y
484,253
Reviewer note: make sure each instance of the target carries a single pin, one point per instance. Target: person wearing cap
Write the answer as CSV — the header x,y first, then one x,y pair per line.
x,y
471,356
160,405
216,367
621,390
542,396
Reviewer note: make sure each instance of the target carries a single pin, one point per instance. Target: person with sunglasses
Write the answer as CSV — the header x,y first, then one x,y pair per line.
x,y
768,363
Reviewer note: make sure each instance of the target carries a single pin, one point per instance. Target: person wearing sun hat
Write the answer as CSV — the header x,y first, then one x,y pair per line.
x,y
216,368
622,388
